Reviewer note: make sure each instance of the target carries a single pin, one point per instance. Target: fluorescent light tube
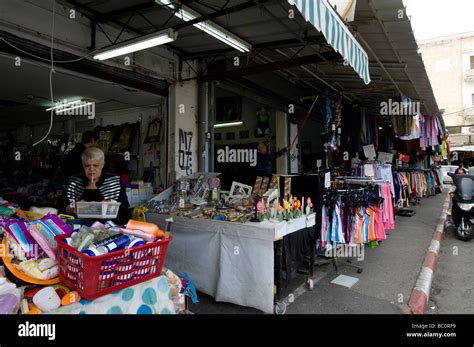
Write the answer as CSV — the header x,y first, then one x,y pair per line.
x,y
138,44
74,107
61,105
228,124
187,14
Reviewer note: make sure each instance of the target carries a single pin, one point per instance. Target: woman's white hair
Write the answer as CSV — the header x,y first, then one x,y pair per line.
x,y
93,153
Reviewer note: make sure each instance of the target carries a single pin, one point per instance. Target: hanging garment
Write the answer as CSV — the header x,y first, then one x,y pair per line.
x,y
384,172
387,207
371,227
336,228
374,135
363,127
324,226
378,224
358,226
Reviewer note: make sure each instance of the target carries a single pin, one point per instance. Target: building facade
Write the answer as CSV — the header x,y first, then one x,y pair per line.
x,y
449,62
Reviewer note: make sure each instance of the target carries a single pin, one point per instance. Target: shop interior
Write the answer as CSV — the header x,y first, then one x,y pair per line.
x,y
34,175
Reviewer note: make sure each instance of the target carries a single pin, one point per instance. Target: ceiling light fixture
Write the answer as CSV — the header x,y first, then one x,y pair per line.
x,y
228,124
137,44
63,104
187,14
82,104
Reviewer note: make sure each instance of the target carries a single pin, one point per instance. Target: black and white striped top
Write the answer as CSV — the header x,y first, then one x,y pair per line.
x,y
108,185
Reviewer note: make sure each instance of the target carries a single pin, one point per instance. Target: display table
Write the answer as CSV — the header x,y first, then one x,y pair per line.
x,y
150,297
232,262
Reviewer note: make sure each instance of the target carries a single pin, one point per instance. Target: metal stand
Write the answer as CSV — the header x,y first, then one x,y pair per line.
x,y
336,262
348,263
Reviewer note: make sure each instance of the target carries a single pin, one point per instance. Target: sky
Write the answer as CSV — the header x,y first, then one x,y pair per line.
x,y
437,18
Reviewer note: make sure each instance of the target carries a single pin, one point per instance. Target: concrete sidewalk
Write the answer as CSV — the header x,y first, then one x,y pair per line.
x,y
453,284
389,273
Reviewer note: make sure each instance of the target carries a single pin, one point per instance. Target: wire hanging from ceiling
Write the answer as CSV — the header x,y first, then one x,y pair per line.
x,y
50,79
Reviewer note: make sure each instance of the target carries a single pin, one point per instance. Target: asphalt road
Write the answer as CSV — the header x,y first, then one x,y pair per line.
x,y
452,291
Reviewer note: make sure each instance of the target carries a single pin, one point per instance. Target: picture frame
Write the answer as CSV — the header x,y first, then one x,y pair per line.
x,y
153,132
228,109
238,190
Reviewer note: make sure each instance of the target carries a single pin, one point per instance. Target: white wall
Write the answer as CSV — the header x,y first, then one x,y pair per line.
x,y
183,130
468,86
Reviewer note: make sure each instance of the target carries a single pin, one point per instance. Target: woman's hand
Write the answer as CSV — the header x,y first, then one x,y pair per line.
x,y
70,210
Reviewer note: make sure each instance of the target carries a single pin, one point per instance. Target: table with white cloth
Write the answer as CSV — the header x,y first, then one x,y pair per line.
x,y
232,262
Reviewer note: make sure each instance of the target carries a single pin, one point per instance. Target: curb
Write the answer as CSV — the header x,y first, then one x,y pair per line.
x,y
421,293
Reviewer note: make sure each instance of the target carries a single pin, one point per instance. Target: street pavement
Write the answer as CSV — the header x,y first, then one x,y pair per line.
x,y
452,291
384,287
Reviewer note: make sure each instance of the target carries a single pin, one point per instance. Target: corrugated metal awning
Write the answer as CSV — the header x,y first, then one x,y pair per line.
x,y
324,18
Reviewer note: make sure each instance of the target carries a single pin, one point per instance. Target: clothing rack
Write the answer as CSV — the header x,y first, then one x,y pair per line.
x,y
323,259
360,180
350,190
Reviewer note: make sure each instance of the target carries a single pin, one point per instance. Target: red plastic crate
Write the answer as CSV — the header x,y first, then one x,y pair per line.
x,y
93,277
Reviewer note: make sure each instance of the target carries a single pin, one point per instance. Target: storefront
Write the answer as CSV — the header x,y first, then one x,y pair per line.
x,y
244,165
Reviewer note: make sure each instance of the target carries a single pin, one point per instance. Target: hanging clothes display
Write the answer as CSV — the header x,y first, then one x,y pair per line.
x,y
378,171
357,216
415,128
411,185
429,136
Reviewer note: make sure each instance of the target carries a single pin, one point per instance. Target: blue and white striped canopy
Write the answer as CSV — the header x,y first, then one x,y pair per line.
x,y
322,16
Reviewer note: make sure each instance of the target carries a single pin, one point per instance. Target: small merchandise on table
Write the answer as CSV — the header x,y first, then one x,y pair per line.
x,y
30,248
104,258
36,252
199,196
162,295
231,242
10,295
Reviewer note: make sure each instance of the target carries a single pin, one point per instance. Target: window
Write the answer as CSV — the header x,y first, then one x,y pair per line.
x,y
472,62
472,102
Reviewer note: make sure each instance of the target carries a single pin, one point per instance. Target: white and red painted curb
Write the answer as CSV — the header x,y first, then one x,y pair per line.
x,y
421,293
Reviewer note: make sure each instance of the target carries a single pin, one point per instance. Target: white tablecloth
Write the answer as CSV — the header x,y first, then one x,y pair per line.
x,y
232,262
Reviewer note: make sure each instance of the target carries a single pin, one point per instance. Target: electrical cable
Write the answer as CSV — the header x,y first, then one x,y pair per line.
x,y
304,122
50,79
44,59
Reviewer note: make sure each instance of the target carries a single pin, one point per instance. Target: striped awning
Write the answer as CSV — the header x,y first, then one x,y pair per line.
x,y
324,18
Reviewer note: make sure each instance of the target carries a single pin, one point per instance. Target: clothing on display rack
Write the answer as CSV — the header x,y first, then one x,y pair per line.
x,y
378,171
415,128
412,185
357,216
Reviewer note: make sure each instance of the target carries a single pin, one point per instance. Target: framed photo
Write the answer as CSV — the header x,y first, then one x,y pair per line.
x,y
230,136
153,131
228,109
244,134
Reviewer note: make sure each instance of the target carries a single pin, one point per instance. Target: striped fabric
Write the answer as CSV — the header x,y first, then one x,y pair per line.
x,y
110,188
323,17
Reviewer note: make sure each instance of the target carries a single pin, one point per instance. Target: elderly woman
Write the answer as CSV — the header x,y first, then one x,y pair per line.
x,y
95,185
